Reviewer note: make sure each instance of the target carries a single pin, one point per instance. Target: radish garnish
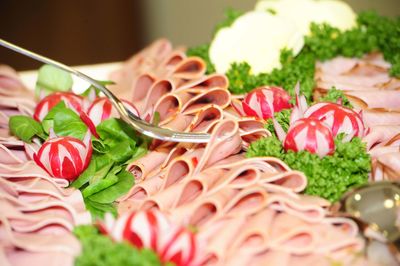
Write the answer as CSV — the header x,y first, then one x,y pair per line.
x,y
102,109
311,135
338,118
73,101
64,157
264,101
151,229
181,247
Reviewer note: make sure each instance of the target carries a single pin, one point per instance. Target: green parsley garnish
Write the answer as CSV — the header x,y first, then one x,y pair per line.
x,y
282,117
334,95
329,177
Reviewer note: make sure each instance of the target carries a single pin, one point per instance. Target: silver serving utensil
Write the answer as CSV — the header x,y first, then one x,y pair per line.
x,y
134,121
376,209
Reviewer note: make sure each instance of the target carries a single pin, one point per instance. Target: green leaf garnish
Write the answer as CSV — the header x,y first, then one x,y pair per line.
x,y
51,79
97,210
86,175
25,128
99,185
109,195
114,131
64,121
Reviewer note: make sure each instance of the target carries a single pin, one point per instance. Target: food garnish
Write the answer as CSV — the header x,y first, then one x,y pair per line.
x,y
371,33
64,157
309,134
100,250
263,102
328,177
151,229
74,145
338,118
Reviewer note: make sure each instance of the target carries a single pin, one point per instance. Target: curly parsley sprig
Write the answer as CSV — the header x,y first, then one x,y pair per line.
x,y
329,177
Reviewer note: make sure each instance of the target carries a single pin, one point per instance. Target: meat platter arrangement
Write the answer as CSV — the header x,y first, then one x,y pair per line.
x,y
302,102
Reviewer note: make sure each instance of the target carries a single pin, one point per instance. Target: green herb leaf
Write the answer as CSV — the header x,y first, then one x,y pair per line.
x,y
51,79
109,195
103,167
48,121
99,146
99,185
114,131
121,152
25,128
68,123
86,175
97,210
139,152
65,122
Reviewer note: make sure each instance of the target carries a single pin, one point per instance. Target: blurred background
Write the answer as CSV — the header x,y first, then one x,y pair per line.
x,y
85,32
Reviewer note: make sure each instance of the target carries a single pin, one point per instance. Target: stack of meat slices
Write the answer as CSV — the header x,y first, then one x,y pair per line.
x,y
376,95
245,211
37,212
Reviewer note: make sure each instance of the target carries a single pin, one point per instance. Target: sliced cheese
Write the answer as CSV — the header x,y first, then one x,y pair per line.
x,y
257,38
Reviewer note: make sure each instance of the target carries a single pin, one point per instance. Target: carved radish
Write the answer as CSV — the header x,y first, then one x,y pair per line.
x,y
151,229
180,248
72,100
142,229
102,109
263,102
311,135
65,157
338,118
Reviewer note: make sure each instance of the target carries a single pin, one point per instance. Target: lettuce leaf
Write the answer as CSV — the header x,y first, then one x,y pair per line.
x,y
25,128
51,79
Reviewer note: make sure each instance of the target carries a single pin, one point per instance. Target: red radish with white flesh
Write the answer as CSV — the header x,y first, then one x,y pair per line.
x,y
181,248
151,229
65,157
338,118
142,229
70,99
264,101
102,109
311,135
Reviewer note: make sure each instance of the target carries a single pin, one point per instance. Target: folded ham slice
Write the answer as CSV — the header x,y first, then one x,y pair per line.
x,y
389,100
369,88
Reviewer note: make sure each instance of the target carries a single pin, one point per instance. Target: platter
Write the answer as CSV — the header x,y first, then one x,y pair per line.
x,y
296,126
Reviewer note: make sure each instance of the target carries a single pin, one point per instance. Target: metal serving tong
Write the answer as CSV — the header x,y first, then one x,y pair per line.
x,y
376,209
134,121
